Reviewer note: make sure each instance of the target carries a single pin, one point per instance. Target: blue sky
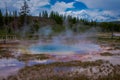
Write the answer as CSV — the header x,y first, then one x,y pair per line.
x,y
99,10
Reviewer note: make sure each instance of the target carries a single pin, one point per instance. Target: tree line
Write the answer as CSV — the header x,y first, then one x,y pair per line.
x,y
14,21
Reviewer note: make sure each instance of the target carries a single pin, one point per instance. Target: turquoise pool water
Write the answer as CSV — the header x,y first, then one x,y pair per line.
x,y
52,48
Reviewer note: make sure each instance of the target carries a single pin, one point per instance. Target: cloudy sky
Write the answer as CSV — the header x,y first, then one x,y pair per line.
x,y
99,10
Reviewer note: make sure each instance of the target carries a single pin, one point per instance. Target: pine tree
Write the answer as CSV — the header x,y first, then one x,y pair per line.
x,y
10,16
52,14
57,17
45,14
15,14
24,12
1,19
40,15
6,18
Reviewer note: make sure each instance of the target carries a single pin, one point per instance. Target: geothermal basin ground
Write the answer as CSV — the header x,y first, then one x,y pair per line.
x,y
61,60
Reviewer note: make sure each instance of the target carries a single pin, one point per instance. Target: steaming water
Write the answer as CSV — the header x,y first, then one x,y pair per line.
x,y
53,48
57,48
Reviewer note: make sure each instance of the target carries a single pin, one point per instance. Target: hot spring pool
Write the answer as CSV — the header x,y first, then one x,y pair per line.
x,y
52,48
60,48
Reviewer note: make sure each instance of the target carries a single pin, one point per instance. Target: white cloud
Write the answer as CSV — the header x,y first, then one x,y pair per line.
x,y
97,15
4,3
103,4
110,8
61,6
33,4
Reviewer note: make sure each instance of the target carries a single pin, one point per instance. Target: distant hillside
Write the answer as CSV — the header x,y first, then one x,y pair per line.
x,y
117,22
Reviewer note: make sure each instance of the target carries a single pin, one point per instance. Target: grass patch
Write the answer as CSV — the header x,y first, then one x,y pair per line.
x,y
106,54
78,63
46,72
26,57
6,54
